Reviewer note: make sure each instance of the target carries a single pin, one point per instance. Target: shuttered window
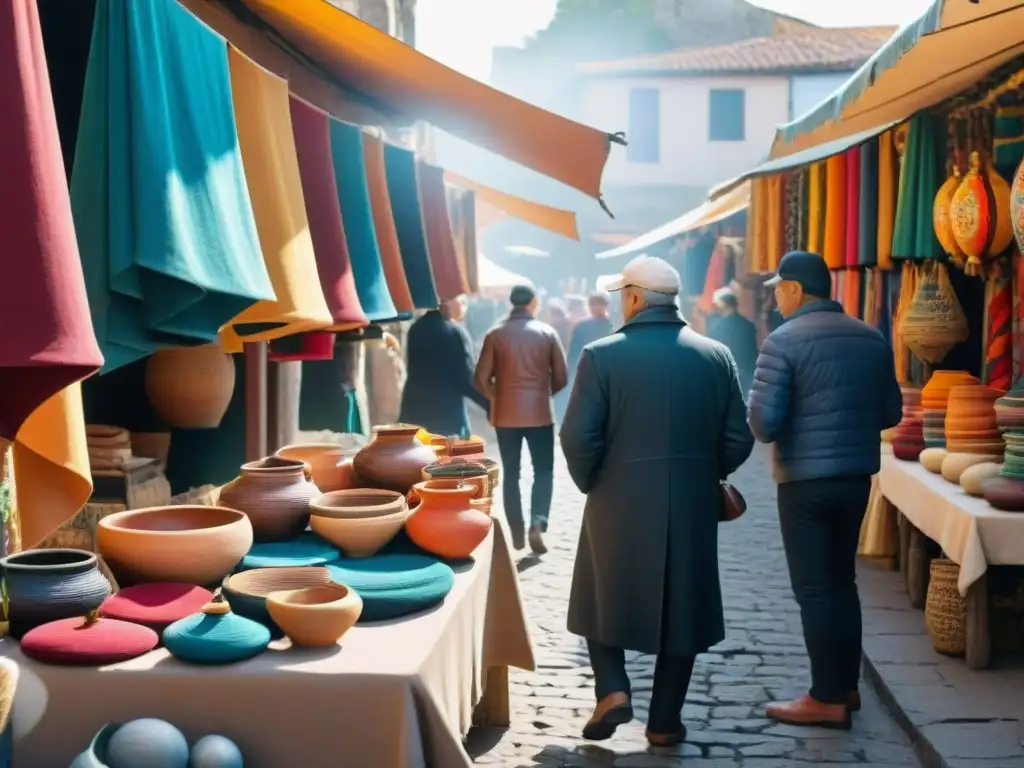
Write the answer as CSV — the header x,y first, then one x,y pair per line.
x,y
644,135
727,115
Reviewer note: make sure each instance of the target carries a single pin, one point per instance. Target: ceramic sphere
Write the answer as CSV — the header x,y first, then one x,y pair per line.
x,y
215,752
147,743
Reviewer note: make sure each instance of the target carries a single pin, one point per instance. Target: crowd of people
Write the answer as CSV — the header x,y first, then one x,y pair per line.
x,y
654,418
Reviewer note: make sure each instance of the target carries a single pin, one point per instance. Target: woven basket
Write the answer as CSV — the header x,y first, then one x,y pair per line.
x,y
8,684
945,611
934,322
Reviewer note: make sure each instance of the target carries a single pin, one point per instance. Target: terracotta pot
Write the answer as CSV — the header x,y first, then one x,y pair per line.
x,y
907,451
190,387
395,459
1004,493
954,465
984,435
246,592
315,616
986,422
275,494
993,447
476,471
45,585
445,522
360,536
329,464
972,478
357,503
191,544
932,458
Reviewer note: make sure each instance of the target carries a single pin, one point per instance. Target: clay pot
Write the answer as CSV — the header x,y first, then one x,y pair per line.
x,y
932,458
329,464
445,522
315,616
360,536
190,387
1004,493
472,471
45,585
972,478
395,459
357,503
274,493
246,592
993,447
190,544
907,451
955,464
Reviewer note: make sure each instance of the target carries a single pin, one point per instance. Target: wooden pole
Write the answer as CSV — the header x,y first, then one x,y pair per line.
x,y
255,401
274,411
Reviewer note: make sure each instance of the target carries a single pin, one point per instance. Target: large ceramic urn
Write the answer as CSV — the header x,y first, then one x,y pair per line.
x,y
445,522
190,387
274,493
395,459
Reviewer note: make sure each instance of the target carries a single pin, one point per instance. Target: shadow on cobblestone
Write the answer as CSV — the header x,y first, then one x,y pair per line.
x,y
761,660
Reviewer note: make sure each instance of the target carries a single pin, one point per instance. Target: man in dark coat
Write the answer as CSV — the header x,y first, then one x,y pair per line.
x,y
595,327
655,421
439,372
729,327
824,389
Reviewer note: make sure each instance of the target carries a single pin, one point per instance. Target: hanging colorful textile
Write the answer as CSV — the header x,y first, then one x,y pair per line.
x,y
851,292
444,263
791,209
802,209
816,208
757,226
162,212
838,279
835,212
920,180
775,232
716,276
312,130
852,207
403,188
867,254
999,316
901,352
462,209
353,196
888,184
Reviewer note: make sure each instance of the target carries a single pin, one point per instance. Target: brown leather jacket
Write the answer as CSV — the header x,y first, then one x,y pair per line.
x,y
521,366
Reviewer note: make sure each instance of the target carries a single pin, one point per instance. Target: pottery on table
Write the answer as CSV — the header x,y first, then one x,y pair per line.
x,y
1004,493
156,605
45,585
479,471
215,751
394,459
360,536
216,635
932,458
147,742
357,502
394,585
445,522
88,641
191,544
972,478
190,387
955,464
907,451
95,756
329,464
305,549
315,616
274,493
1010,407
995,447
246,592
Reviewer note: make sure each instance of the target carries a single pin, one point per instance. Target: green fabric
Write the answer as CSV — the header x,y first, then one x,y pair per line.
x,y
922,175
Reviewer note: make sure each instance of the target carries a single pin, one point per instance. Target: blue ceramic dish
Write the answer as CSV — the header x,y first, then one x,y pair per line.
x,y
394,585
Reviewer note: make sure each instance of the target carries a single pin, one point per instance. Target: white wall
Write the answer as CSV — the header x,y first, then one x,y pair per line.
x,y
808,91
687,156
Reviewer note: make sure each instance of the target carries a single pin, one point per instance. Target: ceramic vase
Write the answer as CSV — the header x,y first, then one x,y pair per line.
x,y
395,459
45,585
274,493
445,522
315,617
215,635
329,464
190,387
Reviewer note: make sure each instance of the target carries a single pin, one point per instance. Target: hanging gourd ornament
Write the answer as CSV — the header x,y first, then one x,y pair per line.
x,y
1017,205
980,213
943,223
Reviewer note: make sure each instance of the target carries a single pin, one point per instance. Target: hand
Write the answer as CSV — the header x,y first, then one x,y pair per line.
x,y
390,342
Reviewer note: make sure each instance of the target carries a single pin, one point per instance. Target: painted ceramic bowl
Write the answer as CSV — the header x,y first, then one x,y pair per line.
x,y
315,616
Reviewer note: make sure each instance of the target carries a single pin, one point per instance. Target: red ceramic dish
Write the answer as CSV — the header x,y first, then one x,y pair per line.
x,y
156,605
79,642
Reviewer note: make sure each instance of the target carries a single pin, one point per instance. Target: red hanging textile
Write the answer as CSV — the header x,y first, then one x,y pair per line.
x,y
998,344
444,261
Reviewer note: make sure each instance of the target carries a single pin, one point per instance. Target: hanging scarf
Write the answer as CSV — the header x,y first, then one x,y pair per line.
x,y
835,212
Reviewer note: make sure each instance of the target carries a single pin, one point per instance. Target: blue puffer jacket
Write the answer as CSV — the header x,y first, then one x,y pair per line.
x,y
824,389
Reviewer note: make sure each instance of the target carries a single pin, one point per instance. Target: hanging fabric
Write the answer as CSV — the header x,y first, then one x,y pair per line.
x,y
999,319
757,226
462,209
920,179
403,188
888,183
791,211
775,232
444,263
816,209
302,347
312,132
867,255
852,250
835,212
802,203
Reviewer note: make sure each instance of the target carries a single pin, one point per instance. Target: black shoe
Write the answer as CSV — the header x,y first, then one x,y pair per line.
x,y
518,541
537,541
666,740
606,719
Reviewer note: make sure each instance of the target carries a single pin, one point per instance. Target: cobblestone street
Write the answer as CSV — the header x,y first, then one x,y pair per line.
x,y
762,659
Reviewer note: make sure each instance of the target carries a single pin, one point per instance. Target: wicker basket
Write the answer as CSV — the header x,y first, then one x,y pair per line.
x,y
8,684
945,610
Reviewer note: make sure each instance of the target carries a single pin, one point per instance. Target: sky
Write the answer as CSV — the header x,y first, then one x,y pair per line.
x,y
462,33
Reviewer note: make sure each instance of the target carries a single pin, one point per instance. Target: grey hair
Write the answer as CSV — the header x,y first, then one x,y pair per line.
x,y
726,296
656,299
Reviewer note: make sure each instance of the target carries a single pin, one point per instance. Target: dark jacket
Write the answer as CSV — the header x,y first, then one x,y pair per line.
x,y
654,422
824,389
521,366
740,336
439,376
587,331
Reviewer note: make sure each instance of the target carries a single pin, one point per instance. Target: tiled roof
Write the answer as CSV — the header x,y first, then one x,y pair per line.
x,y
818,50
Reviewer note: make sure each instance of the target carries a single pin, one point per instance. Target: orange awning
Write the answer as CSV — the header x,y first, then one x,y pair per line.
x,y
396,78
555,220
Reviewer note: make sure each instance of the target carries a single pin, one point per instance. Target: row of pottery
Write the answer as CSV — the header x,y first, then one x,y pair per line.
x,y
152,743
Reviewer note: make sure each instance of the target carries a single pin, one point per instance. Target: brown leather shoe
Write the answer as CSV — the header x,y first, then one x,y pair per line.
x,y
665,740
612,711
853,701
808,711
537,541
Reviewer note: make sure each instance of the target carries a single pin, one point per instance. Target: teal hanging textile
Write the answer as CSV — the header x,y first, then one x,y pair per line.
x,y
920,179
165,227
405,205
867,245
357,216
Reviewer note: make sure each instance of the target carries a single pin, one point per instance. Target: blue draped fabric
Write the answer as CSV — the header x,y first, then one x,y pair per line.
x,y
400,165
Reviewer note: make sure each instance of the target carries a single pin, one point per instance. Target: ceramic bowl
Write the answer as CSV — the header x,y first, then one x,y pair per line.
x,y
973,477
329,464
360,536
246,592
357,503
315,616
192,544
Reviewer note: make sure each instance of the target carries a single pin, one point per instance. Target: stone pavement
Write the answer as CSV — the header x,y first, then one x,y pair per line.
x,y
761,660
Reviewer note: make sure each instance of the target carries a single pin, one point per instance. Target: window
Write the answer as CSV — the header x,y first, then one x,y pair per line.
x,y
644,137
728,115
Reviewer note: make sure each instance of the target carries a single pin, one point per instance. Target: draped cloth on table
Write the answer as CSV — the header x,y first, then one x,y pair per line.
x,y
165,226
448,275
312,131
271,163
403,188
920,179
852,208
816,208
834,251
999,315
49,344
867,253
888,184
356,212
384,223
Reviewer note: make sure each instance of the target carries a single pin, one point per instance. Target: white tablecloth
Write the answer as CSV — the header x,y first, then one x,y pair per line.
x,y
970,532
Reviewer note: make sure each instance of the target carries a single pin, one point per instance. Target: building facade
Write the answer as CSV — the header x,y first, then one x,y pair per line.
x,y
396,17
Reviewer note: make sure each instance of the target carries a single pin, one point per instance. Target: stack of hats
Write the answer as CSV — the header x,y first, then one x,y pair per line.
x,y
934,399
908,437
971,432
1006,491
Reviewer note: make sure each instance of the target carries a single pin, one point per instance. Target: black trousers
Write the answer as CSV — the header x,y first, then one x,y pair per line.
x,y
820,522
540,441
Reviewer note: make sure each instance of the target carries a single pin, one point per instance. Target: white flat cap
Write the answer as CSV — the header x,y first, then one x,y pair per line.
x,y
649,273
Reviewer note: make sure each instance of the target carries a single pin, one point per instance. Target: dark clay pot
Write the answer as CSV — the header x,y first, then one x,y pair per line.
x,y
44,585
1004,493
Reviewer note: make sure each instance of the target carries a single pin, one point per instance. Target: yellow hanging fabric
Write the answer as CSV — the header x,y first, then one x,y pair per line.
x,y
776,224
757,219
888,183
816,208
263,118
835,212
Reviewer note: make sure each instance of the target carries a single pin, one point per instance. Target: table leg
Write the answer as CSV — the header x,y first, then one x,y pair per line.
x,y
892,520
978,631
493,709
904,526
917,568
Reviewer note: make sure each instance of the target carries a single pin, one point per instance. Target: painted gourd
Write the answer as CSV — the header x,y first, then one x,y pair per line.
x,y
943,223
980,215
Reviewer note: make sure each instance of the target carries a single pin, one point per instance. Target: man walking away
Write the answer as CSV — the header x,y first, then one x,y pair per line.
x,y
595,327
521,366
727,326
439,376
655,421
824,389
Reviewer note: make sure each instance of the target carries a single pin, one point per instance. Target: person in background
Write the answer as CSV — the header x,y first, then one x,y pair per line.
x,y
558,318
655,421
595,327
824,389
439,372
727,326
521,366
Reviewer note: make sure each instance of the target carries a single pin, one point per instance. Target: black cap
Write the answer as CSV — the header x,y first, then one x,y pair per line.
x,y
808,269
522,295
